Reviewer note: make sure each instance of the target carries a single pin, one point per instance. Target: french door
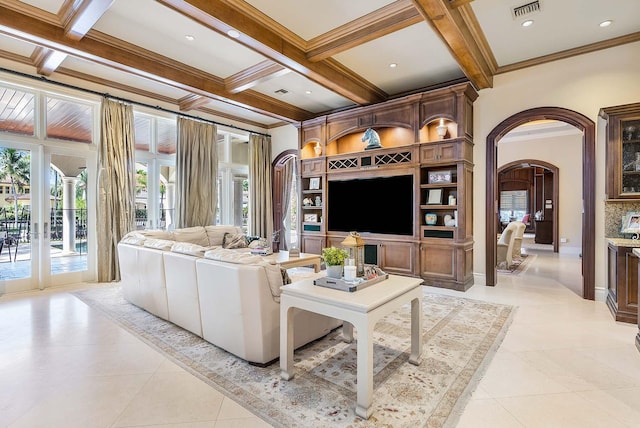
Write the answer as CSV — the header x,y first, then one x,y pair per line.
x,y
47,220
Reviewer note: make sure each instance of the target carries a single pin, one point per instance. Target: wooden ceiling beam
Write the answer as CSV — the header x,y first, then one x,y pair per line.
x,y
386,20
221,16
46,60
459,30
109,51
192,102
81,16
252,76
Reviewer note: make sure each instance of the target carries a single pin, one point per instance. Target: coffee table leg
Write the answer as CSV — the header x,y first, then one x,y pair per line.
x,y
347,332
365,371
287,370
416,331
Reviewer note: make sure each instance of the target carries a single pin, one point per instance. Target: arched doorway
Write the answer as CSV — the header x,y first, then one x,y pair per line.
x,y
534,163
587,127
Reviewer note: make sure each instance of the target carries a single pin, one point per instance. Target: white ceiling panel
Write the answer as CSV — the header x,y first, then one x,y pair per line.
x,y
320,99
310,18
110,74
419,54
231,109
52,6
559,25
150,25
16,46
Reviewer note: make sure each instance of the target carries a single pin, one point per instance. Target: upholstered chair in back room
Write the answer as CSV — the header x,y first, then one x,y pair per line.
x,y
518,234
505,246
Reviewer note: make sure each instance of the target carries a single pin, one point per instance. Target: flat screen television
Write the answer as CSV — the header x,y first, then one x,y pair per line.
x,y
376,205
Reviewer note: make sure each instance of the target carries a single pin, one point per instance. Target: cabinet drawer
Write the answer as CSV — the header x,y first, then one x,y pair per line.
x,y
313,166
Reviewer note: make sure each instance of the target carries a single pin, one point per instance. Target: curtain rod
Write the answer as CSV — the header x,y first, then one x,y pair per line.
x,y
114,97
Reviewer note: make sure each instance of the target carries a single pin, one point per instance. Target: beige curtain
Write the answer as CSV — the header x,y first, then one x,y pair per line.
x,y
260,200
288,172
116,185
197,173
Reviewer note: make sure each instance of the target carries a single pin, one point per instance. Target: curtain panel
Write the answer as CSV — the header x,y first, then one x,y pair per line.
x,y
260,190
196,173
116,185
288,172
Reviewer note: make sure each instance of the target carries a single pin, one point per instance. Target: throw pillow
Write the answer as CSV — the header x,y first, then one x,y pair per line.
x,y
258,243
216,233
234,240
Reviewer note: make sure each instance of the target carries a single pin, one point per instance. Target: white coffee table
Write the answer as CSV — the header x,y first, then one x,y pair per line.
x,y
362,310
305,259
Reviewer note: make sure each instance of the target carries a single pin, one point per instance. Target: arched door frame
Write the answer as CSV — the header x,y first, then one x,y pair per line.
x,y
556,188
587,126
277,167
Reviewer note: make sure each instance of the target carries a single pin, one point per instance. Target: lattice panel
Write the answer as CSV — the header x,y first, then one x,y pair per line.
x,y
392,158
343,163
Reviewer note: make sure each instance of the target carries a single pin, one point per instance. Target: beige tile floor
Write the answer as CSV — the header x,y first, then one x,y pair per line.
x,y
564,363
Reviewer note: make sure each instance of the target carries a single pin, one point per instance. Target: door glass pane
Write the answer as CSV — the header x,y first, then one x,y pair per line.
x,y
68,120
142,196
167,136
15,214
68,214
142,131
16,111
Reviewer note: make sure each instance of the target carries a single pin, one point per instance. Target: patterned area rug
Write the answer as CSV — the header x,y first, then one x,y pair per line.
x,y
460,337
520,264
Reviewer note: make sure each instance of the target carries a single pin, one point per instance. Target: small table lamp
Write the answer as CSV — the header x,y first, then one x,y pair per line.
x,y
355,245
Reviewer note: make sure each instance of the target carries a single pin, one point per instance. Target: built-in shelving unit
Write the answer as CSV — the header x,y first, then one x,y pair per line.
x,y
422,135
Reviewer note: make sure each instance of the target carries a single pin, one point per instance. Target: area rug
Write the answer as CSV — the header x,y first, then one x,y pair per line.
x,y
460,337
520,264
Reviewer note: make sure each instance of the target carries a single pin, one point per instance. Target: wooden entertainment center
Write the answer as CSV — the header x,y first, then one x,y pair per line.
x,y
428,136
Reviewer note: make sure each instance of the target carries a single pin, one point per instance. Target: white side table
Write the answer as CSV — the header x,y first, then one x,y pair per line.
x,y
362,310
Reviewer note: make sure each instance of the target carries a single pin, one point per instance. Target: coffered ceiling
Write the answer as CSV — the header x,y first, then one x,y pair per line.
x,y
290,60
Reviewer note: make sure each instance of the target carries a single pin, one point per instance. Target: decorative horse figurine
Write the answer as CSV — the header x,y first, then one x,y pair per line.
x,y
374,139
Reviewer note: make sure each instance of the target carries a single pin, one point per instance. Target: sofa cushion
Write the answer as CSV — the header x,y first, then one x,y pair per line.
x,y
189,249
158,244
133,238
216,233
194,235
232,256
234,240
157,234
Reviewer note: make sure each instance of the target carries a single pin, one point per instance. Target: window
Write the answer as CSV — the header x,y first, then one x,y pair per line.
x,y
233,179
155,142
69,120
513,205
17,111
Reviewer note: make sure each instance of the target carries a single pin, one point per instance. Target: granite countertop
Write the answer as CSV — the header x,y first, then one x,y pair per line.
x,y
624,242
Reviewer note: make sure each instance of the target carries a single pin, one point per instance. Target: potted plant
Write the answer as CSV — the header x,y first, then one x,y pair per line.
x,y
334,259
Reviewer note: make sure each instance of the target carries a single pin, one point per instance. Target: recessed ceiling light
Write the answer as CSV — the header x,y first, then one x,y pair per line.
x,y
233,33
606,23
527,23
308,92
393,65
189,37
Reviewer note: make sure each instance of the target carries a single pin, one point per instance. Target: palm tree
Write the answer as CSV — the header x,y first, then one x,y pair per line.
x,y
16,166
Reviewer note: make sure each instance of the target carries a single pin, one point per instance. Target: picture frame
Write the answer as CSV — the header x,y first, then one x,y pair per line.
x,y
443,176
633,223
314,183
311,218
434,197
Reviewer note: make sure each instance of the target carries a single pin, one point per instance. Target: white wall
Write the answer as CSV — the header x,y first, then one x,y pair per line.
x,y
584,84
283,138
565,152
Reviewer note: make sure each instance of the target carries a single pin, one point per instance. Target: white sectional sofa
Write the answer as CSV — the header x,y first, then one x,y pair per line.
x,y
229,298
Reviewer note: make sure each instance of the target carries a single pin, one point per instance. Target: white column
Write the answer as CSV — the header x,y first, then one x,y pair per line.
x,y
69,214
169,203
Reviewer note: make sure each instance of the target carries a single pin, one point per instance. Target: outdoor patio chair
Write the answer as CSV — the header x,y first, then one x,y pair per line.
x,y
8,241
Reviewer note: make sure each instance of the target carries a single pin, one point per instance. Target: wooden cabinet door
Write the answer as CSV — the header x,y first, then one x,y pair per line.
x,y
447,152
397,257
438,261
311,244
